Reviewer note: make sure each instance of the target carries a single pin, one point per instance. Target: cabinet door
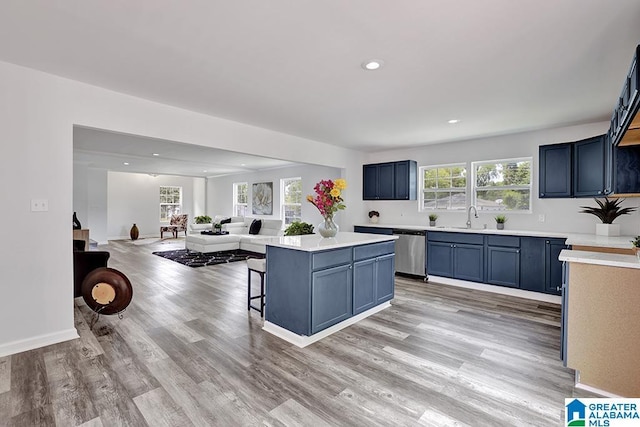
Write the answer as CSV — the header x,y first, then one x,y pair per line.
x,y
468,262
406,180
555,171
503,266
386,181
370,182
589,167
331,297
364,285
440,259
553,281
385,278
532,264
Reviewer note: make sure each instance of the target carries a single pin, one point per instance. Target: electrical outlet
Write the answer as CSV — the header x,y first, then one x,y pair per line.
x,y
541,218
39,205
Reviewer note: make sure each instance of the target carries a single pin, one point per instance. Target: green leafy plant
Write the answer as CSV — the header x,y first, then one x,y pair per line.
x,y
501,219
433,217
373,213
217,226
297,228
203,219
608,210
636,242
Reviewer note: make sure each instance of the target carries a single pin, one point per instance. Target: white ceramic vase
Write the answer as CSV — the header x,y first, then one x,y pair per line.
x,y
608,229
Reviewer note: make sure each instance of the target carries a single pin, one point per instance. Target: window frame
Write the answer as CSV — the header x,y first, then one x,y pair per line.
x,y
237,204
474,187
161,203
282,199
421,188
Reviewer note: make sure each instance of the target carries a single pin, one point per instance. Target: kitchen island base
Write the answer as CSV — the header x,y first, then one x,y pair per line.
x,y
303,340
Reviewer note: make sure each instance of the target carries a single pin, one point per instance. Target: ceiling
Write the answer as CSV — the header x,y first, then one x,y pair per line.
x,y
294,66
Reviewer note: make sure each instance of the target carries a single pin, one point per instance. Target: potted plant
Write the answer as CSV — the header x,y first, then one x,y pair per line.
x,y
298,228
374,216
202,219
432,219
607,212
636,246
500,220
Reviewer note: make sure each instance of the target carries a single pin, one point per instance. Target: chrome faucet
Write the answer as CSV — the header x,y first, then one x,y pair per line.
x,y
469,215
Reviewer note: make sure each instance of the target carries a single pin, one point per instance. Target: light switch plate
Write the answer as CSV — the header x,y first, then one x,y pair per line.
x,y
39,205
541,218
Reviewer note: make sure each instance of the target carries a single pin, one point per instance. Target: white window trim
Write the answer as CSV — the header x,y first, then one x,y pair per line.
x,y
519,187
282,203
235,197
421,186
169,204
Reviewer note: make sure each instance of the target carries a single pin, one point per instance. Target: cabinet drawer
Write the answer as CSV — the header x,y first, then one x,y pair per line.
x,y
373,250
327,259
440,236
505,241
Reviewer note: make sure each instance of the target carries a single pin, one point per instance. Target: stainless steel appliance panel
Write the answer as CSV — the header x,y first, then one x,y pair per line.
x,y
410,252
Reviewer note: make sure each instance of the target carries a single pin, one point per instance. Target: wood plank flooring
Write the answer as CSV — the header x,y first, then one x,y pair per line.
x,y
187,353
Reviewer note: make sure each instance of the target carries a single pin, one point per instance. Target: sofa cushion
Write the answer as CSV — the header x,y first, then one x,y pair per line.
x,y
255,226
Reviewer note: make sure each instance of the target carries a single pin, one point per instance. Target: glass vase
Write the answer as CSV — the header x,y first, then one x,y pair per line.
x,y
328,228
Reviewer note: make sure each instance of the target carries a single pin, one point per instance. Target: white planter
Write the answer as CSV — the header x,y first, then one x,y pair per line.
x,y
374,219
608,229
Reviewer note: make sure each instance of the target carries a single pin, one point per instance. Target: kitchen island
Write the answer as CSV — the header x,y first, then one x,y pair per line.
x,y
601,321
316,286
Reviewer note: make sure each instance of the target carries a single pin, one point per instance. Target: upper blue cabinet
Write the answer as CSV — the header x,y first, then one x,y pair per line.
x,y
390,181
575,169
625,121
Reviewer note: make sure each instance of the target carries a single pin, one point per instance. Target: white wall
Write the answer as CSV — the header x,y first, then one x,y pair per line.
x,y
220,192
37,115
134,198
561,215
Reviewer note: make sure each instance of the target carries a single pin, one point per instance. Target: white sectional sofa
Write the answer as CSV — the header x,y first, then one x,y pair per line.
x,y
238,237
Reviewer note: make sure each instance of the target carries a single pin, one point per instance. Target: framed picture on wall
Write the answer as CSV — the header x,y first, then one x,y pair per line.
x,y
262,198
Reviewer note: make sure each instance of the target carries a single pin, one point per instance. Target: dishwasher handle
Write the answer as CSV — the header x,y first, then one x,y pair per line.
x,y
409,232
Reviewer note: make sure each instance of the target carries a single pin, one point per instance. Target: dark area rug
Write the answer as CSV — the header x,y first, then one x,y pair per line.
x,y
199,259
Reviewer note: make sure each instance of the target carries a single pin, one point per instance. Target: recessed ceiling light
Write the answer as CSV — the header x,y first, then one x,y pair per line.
x,y
126,163
243,164
453,121
204,171
156,154
372,64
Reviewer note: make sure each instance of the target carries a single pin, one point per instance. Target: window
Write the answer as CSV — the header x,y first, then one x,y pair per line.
x,y
291,199
170,202
502,185
240,197
443,187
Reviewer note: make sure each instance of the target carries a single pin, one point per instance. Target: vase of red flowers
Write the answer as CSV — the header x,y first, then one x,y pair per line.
x,y
328,200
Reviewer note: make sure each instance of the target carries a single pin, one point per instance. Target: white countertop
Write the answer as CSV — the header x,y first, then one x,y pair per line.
x,y
315,242
620,242
600,258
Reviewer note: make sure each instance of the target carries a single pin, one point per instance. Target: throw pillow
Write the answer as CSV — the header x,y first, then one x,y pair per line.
x,y
226,221
255,226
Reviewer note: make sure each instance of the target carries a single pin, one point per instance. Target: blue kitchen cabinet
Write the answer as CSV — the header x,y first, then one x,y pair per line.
x,y
540,269
390,181
456,255
589,167
331,297
503,261
439,259
553,267
373,275
309,291
554,180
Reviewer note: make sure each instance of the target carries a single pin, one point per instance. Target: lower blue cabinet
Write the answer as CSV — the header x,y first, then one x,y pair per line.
x,y
503,266
331,295
440,259
373,282
468,262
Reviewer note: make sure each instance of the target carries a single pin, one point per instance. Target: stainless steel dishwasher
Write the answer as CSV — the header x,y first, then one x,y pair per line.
x,y
410,252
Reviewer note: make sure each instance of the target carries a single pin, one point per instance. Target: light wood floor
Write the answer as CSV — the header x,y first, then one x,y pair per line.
x,y
188,353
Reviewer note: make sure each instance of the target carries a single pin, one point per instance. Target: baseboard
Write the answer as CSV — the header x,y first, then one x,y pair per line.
x,y
537,296
37,342
303,340
595,390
